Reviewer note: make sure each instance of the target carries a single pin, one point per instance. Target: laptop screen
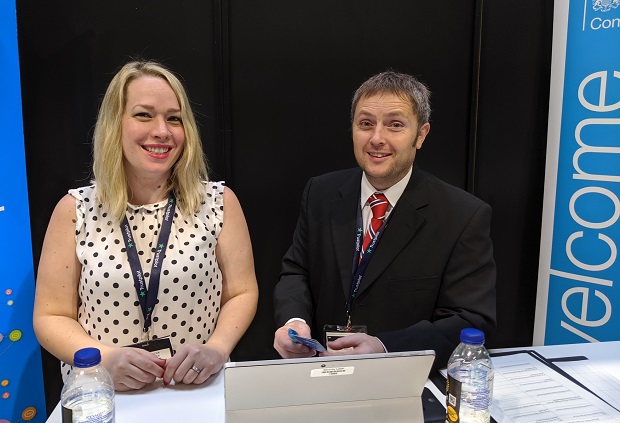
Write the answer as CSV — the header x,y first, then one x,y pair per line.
x,y
352,381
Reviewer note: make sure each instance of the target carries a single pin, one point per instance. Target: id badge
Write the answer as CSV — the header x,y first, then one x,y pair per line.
x,y
333,332
161,347
308,342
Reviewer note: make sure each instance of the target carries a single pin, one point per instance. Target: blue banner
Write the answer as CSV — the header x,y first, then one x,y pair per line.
x,y
579,275
21,380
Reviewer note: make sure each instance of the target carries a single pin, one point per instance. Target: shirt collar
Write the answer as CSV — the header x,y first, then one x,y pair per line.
x,y
393,193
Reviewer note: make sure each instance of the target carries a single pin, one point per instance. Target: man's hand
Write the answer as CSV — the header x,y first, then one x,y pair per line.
x,y
285,346
358,343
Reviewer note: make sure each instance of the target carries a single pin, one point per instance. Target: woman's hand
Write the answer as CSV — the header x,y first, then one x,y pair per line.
x,y
132,368
194,364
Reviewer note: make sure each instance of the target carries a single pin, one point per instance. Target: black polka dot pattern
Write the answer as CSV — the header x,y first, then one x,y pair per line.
x,y
190,286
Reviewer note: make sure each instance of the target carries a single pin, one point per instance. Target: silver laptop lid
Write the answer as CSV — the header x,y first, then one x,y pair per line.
x,y
325,380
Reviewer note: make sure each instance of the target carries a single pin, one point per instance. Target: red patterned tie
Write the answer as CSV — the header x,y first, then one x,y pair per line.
x,y
379,205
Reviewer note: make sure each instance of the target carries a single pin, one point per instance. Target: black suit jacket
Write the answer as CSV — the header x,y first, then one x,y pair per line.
x,y
432,273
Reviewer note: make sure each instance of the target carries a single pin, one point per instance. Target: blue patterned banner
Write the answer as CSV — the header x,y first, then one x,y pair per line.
x,y
579,274
21,380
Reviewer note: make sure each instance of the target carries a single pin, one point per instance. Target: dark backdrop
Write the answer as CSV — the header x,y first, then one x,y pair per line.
x,y
271,83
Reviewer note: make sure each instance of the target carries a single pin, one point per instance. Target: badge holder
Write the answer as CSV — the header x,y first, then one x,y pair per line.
x,y
161,347
308,342
333,332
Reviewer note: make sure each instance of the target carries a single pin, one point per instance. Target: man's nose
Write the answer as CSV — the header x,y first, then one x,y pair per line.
x,y
378,135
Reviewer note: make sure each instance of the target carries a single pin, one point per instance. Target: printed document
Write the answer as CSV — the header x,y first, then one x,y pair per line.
x,y
527,389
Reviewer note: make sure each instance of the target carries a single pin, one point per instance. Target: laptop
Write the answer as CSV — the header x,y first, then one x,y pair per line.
x,y
352,388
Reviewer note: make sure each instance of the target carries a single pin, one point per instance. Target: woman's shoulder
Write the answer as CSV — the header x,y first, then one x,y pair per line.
x,y
214,187
86,193
214,193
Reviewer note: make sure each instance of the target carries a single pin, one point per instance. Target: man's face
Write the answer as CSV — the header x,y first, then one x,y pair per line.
x,y
385,138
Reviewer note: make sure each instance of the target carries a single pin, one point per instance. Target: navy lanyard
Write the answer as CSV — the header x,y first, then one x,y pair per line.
x,y
148,298
359,266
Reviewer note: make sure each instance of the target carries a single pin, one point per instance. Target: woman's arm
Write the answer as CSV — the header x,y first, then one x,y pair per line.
x,y
196,363
56,298
239,286
56,305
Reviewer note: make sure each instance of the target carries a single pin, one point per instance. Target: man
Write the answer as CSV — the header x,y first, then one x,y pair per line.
x,y
415,281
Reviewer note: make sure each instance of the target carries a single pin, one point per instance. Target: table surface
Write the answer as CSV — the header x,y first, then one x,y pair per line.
x,y
183,402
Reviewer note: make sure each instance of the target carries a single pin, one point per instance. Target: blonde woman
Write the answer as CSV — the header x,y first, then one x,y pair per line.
x,y
152,263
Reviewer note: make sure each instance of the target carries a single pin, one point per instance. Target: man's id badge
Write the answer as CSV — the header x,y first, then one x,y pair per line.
x,y
308,342
161,347
333,332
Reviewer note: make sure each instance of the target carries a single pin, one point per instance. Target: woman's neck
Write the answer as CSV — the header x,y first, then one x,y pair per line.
x,y
147,191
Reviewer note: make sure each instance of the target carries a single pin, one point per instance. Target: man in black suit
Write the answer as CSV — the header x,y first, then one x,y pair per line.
x,y
431,271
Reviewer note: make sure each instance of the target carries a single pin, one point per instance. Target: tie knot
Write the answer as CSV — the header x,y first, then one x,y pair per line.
x,y
379,205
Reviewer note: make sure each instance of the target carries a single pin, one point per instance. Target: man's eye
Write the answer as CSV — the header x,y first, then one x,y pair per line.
x,y
365,123
397,125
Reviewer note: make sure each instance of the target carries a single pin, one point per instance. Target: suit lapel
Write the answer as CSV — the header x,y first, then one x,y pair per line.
x,y
343,211
404,223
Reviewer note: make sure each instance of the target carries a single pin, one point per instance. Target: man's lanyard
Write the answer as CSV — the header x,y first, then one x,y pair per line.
x,y
359,266
148,298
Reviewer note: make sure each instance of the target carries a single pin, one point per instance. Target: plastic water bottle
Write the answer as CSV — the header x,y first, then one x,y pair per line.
x,y
88,393
469,389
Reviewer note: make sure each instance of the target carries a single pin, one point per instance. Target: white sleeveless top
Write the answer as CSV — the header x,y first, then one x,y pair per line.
x,y
190,287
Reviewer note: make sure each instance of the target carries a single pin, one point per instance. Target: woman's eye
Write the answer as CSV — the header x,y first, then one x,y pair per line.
x,y
175,119
144,115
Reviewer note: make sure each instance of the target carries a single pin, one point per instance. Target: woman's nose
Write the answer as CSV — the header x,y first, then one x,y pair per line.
x,y
161,129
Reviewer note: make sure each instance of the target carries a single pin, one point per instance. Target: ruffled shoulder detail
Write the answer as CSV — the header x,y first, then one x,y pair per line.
x,y
212,209
84,202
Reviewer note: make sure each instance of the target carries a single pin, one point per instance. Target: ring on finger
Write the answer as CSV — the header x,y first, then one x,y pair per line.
x,y
196,369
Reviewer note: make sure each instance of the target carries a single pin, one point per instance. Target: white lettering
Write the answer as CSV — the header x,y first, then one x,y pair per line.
x,y
128,233
591,267
589,149
583,320
601,106
603,139
582,278
140,279
600,23
577,332
595,190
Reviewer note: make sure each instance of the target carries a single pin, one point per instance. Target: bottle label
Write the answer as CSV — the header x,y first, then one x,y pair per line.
x,y
453,400
97,413
67,415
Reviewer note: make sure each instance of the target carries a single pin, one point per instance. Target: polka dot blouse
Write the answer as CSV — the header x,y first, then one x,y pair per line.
x,y
190,287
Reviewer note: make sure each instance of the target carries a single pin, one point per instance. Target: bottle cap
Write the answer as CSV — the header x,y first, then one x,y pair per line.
x,y
472,336
87,357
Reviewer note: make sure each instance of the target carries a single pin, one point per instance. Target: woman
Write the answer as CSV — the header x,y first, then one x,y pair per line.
x,y
151,253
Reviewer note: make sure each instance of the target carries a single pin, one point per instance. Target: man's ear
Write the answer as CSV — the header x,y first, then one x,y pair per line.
x,y
422,133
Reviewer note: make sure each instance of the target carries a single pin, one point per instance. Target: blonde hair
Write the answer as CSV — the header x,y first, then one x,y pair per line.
x,y
109,173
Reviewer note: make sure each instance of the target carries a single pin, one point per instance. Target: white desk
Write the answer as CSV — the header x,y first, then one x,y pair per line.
x,y
184,403
159,403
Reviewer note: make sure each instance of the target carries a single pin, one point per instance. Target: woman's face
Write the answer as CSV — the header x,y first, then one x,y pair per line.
x,y
152,132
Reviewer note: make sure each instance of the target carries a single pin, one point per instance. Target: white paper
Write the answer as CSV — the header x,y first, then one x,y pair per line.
x,y
527,390
600,381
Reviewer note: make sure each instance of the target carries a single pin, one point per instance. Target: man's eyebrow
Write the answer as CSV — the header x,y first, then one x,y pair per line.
x,y
399,113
